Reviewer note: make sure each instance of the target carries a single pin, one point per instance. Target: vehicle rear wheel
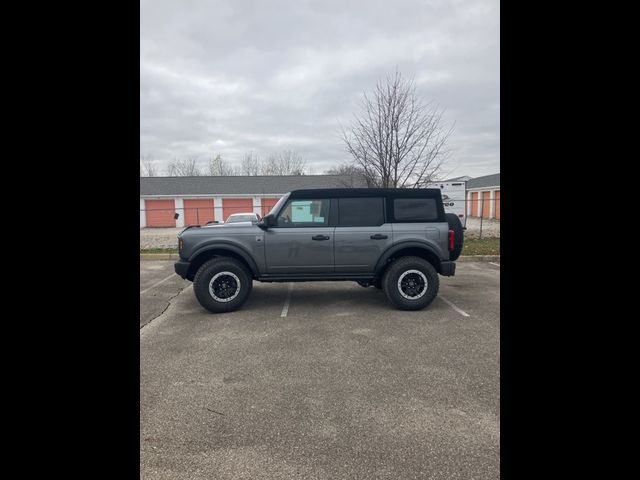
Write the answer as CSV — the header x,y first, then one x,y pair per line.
x,y
222,284
411,283
456,225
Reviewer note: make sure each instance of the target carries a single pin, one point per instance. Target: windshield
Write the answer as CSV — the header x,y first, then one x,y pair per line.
x,y
278,204
241,218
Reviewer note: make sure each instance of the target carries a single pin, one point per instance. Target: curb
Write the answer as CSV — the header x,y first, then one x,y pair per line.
x,y
463,258
158,256
478,258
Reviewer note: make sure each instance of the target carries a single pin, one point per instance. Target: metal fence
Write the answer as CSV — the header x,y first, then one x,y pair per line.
x,y
168,217
483,215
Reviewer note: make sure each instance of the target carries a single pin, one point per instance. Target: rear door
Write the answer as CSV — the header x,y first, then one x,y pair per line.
x,y
361,234
302,241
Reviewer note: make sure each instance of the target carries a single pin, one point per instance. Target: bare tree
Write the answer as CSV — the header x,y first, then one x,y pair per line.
x,y
351,173
286,162
187,167
251,164
397,139
219,167
147,167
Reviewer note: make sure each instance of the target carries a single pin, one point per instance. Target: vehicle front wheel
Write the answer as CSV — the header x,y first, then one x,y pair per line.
x,y
222,284
411,283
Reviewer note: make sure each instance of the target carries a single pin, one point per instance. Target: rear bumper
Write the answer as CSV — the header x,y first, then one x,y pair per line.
x,y
181,268
447,269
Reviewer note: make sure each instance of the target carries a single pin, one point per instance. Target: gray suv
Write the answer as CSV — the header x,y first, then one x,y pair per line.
x,y
397,240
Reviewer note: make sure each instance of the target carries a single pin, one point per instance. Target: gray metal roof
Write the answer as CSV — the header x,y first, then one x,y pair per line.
x,y
464,178
486,181
244,184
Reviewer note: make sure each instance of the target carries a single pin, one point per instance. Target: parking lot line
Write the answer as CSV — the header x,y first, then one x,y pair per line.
x,y
460,311
285,308
156,284
496,264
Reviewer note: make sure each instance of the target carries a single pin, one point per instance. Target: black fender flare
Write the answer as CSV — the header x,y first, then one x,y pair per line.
x,y
389,252
221,245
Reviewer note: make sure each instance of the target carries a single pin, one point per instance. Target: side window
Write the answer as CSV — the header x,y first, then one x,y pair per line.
x,y
415,210
305,213
360,212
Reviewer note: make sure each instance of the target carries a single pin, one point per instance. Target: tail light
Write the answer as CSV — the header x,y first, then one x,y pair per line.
x,y
452,240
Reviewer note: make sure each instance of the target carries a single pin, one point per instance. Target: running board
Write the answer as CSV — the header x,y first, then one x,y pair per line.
x,y
315,278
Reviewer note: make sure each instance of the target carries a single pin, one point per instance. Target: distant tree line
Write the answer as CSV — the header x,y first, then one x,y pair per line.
x,y
286,162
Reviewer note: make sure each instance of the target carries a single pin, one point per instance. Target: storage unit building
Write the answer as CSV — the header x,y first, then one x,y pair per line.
x,y
483,196
198,200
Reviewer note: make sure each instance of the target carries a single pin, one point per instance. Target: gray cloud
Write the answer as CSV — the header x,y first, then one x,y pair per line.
x,y
234,76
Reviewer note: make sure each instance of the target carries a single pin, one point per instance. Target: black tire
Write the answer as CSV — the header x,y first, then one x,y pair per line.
x,y
456,225
395,272
225,283
378,284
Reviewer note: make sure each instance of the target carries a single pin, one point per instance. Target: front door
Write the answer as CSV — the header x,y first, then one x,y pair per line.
x,y
302,241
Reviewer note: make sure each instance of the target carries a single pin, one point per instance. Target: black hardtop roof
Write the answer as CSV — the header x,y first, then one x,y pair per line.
x,y
366,192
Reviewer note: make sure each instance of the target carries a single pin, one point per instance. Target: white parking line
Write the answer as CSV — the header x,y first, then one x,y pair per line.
x,y
496,264
285,308
156,284
460,311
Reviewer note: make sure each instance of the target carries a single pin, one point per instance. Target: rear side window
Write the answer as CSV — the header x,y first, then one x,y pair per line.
x,y
360,212
415,210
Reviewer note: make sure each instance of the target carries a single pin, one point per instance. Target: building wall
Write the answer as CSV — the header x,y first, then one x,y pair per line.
x,y
159,211
474,204
484,202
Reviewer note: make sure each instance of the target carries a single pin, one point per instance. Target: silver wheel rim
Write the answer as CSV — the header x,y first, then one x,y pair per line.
x,y
221,284
412,277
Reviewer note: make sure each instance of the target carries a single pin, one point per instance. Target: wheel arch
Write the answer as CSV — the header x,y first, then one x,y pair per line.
x,y
206,253
405,249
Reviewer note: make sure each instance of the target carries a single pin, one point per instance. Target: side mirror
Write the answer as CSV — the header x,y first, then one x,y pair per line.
x,y
267,221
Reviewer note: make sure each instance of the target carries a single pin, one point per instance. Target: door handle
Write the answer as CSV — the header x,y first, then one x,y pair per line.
x,y
378,236
320,237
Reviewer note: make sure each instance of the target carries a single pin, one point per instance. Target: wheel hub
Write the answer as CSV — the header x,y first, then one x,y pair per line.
x,y
224,286
412,284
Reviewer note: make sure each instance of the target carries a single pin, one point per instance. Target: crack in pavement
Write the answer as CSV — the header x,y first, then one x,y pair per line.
x,y
166,306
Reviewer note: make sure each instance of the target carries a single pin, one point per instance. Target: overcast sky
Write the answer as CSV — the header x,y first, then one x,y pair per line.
x,y
236,76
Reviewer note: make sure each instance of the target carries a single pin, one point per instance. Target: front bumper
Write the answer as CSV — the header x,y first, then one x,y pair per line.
x,y
447,268
181,268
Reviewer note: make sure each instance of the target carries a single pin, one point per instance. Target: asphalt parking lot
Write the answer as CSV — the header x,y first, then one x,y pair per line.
x,y
320,381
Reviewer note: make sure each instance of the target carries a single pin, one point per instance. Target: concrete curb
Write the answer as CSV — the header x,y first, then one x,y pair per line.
x,y
464,258
478,258
158,256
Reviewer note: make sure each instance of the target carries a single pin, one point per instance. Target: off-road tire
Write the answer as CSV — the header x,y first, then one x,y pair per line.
x,y
206,273
394,273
